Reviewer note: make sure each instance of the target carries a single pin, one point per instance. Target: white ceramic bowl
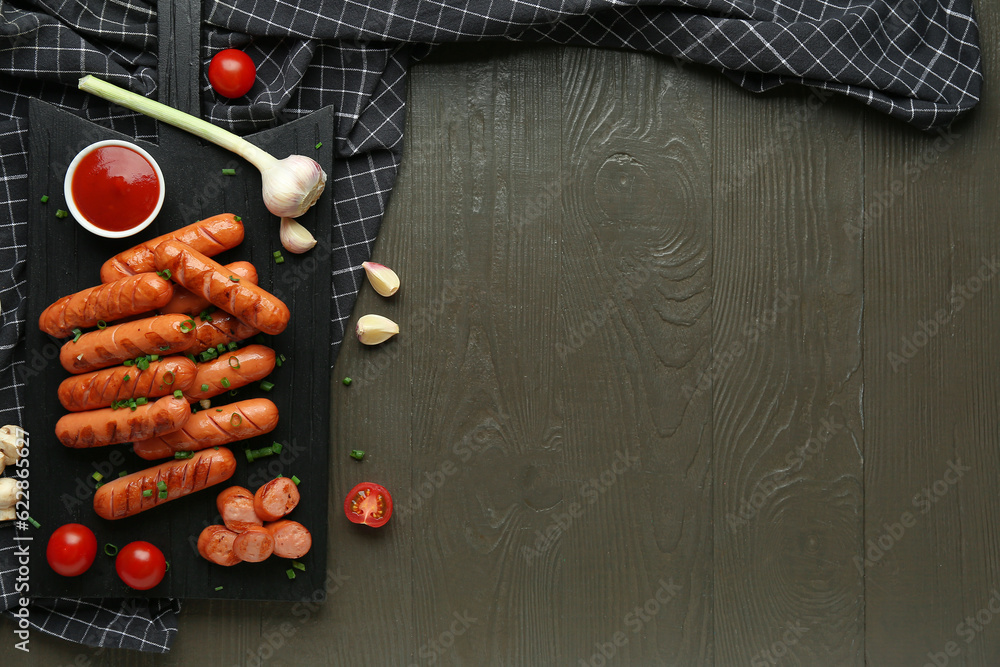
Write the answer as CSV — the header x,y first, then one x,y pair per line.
x,y
86,224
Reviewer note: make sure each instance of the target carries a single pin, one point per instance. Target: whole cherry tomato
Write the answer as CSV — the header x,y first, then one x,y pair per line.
x,y
141,565
369,504
231,73
71,549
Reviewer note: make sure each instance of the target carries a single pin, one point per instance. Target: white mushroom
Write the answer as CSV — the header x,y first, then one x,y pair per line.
x,y
9,493
11,442
8,514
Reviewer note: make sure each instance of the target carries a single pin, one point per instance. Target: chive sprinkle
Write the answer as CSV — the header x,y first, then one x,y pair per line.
x,y
178,393
218,588
204,387
142,400
291,573
228,172
161,485
60,213
147,493
97,476
319,145
237,218
299,566
45,199
34,523
183,455
123,473
357,454
234,279
162,495
76,334
266,386
296,480
110,549
101,324
126,378
347,382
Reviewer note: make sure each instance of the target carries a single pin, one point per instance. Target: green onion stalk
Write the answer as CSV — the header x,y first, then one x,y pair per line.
x,y
290,186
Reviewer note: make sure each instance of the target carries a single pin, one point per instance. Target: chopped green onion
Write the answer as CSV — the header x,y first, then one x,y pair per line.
x,y
237,218
225,383
266,386
154,357
291,573
218,588
164,348
221,347
60,213
122,473
126,378
165,274
167,566
249,454
235,420
169,377
191,357
218,409
276,447
279,260
34,523
357,454
204,387
147,493
347,381
45,199
161,485
162,495
276,253
228,172
189,323
234,279
183,455
282,357
296,480
232,392
76,334
232,346
142,400
110,549
128,362
235,366
142,363
277,362
319,145
178,393
97,476
101,324
299,566
98,485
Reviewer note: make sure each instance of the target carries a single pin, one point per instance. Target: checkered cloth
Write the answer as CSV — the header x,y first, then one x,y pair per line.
x,y
916,60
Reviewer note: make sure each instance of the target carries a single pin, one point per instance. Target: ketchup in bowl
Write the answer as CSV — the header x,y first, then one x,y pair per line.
x,y
114,188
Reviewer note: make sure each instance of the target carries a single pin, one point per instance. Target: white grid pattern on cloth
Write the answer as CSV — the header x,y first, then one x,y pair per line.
x,y
916,60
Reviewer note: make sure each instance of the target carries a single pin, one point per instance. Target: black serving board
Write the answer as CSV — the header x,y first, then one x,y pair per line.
x,y
64,258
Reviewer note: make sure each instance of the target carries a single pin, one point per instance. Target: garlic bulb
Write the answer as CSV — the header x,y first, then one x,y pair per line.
x,y
375,329
292,185
294,237
383,279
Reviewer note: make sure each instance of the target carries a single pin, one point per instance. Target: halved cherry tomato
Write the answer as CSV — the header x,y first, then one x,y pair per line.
x,y
231,73
141,565
369,504
71,549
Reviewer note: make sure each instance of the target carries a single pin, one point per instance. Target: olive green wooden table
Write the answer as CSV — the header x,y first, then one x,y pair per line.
x,y
686,376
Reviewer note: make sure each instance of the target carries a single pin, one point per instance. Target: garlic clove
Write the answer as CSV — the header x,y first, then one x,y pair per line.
x,y
375,329
294,237
383,279
290,186
10,493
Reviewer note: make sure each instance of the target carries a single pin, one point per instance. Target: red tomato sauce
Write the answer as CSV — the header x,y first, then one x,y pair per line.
x,y
115,188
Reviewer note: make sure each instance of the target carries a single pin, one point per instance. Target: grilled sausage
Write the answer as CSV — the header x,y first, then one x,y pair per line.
x,y
235,506
209,236
123,497
202,275
216,545
223,329
187,302
276,499
254,544
163,334
238,368
96,428
99,389
291,538
212,427
113,301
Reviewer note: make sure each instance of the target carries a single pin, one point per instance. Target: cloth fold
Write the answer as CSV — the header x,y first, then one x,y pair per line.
x,y
915,60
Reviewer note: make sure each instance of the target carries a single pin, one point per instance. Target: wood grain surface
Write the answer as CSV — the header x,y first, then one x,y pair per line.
x,y
642,409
